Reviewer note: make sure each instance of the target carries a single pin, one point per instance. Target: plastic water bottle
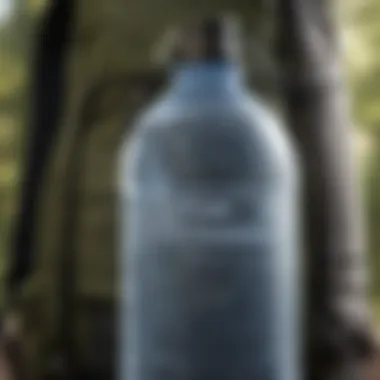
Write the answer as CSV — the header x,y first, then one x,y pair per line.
x,y
209,227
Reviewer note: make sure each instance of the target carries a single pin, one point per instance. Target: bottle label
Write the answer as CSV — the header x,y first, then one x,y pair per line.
x,y
204,302
203,215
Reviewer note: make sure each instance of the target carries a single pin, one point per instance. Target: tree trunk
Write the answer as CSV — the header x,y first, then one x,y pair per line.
x,y
338,314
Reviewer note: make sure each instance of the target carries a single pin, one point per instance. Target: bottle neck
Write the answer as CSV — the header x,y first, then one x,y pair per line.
x,y
207,77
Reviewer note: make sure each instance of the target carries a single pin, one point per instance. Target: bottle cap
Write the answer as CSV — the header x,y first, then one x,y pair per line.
x,y
208,38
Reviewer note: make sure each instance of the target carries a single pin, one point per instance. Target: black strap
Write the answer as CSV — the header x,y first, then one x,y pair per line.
x,y
46,101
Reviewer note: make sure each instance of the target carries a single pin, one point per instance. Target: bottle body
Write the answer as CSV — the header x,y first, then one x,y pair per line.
x,y
210,246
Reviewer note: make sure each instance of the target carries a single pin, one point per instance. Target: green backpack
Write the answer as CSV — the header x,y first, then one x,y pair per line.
x,y
68,299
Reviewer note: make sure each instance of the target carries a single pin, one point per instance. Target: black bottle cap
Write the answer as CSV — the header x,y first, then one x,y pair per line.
x,y
209,38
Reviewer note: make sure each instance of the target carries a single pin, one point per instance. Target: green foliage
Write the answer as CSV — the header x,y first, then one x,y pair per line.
x,y
373,211
362,37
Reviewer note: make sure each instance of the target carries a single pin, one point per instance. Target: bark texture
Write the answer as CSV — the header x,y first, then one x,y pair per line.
x,y
338,323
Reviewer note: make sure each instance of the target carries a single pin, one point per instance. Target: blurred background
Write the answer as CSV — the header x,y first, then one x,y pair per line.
x,y
108,54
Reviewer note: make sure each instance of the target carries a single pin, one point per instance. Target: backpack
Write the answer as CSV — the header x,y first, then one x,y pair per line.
x,y
65,275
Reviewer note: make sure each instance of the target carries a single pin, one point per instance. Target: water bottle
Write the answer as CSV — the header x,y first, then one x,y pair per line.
x,y
209,232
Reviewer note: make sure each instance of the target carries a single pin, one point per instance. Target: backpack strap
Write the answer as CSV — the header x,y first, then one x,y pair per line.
x,y
47,98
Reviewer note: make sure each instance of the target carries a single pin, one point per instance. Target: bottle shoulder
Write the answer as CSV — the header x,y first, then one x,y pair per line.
x,y
275,131
245,116
242,137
